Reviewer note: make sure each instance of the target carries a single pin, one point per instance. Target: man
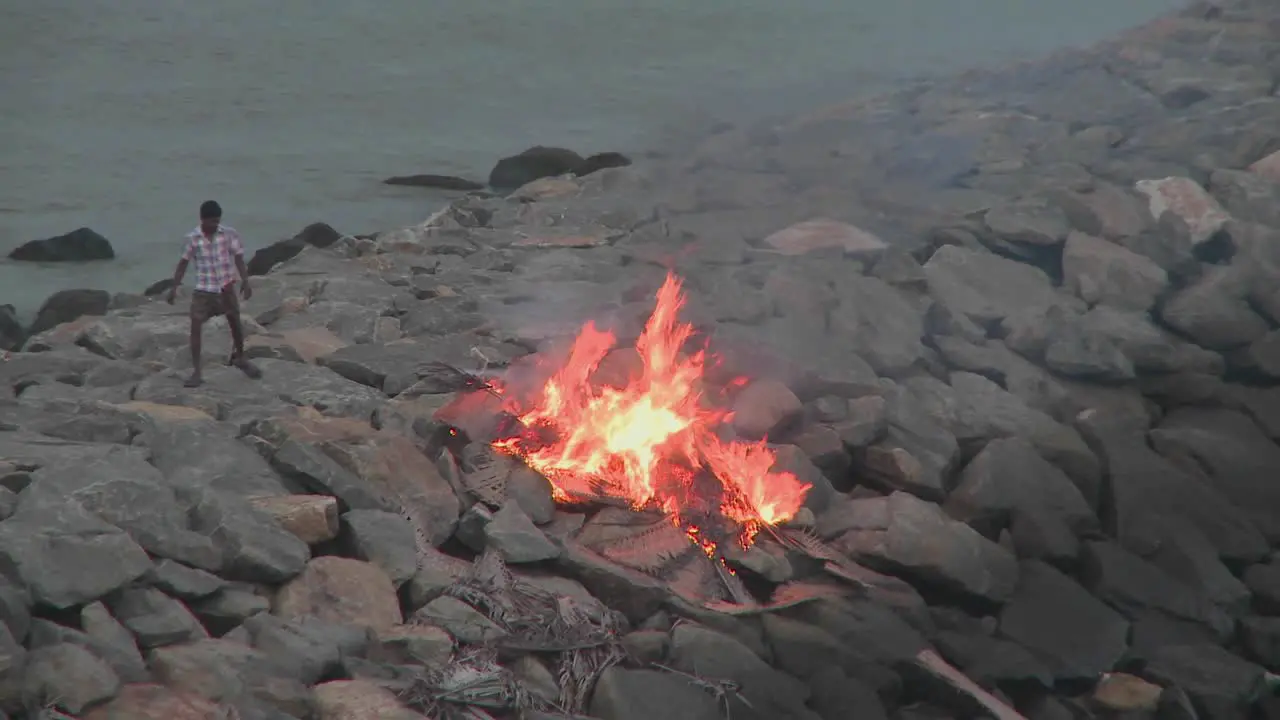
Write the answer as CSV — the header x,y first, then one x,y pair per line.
x,y
218,254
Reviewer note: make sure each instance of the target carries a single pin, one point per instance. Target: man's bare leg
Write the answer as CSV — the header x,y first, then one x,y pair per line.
x,y
197,330
238,359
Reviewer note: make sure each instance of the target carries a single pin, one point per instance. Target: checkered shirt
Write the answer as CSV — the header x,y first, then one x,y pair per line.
x,y
214,258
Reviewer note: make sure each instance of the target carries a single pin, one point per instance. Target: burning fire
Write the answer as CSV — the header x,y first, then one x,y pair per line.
x,y
652,442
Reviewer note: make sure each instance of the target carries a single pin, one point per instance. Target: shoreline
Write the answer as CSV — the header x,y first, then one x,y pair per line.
x,y
1019,333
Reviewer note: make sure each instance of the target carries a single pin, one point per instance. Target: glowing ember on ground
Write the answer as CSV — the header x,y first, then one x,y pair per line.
x,y
651,443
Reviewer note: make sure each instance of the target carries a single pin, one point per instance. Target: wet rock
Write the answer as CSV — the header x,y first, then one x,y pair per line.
x,y
360,700
66,556
821,234
514,535
317,235
536,162
254,547
1119,692
184,582
1186,199
1238,457
381,538
154,618
1145,485
76,246
623,694
1075,634
1009,475
1220,684
602,161
313,518
764,408
68,677
12,334
67,305
442,182
342,591
1102,272
146,701
906,535
1132,586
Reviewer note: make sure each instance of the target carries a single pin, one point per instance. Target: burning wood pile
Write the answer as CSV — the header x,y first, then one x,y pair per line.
x,y
666,507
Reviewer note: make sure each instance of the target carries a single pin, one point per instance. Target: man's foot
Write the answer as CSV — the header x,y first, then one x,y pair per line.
x,y
246,367
193,381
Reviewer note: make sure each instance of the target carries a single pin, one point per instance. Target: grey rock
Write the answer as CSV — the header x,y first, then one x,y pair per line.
x,y
1102,272
13,660
986,287
67,556
195,455
1264,582
623,694
308,649
229,607
113,642
1009,475
154,618
123,489
15,607
184,582
908,536
382,538
990,661
1145,485
254,546
1049,614
1133,585
1240,459
514,535
68,676
1219,683
532,492
230,672
312,469
766,693
835,696
917,452
461,620
1214,311
804,651
884,326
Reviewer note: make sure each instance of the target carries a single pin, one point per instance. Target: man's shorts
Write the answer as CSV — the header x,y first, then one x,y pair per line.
x,y
208,305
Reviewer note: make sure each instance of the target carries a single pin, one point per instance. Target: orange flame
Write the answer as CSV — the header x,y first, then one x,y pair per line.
x,y
646,442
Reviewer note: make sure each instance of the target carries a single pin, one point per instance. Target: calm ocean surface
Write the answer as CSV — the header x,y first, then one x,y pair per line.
x,y
124,115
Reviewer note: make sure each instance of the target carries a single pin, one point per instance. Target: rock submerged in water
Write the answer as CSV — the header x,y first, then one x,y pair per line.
x,y
78,245
441,182
541,161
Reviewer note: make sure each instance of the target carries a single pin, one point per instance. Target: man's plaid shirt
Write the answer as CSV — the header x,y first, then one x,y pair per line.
x,y
214,257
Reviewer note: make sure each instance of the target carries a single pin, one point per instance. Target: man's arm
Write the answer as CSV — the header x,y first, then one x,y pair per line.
x,y
179,272
237,252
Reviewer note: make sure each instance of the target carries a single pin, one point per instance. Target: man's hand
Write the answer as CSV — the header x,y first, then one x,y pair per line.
x,y
245,291
172,295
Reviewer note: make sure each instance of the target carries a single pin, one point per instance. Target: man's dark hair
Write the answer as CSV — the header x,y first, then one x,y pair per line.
x,y
210,209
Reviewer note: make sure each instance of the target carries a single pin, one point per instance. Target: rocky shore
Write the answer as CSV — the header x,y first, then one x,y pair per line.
x,y
1018,329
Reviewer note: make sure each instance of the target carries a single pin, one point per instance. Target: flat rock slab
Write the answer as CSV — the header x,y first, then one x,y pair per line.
x,y
341,590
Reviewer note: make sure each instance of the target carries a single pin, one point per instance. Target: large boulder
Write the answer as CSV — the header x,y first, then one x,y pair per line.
x,y
318,235
67,305
537,162
79,244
